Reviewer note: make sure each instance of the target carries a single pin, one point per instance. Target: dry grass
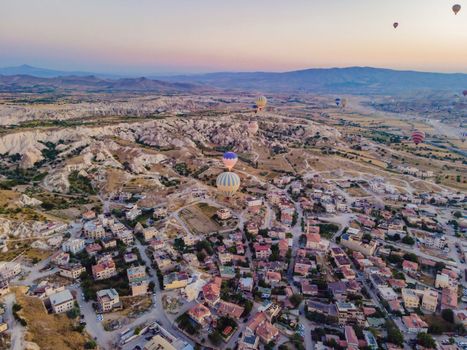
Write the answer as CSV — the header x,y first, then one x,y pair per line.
x,y
50,332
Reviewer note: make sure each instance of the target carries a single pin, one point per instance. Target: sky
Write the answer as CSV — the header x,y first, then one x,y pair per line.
x,y
194,36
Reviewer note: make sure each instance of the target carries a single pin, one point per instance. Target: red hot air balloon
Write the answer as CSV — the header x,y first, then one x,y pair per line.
x,y
418,137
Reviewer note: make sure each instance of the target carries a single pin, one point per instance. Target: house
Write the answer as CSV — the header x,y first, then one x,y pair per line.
x,y
176,280
410,298
73,246
149,233
9,270
200,314
60,258
442,281
249,341
273,277
4,287
107,299
93,249
262,251
415,324
133,213
410,267
104,269
158,343
71,271
449,299
261,326
350,337
348,313
136,274
430,300
212,291
313,240
230,309
309,289
246,284
62,301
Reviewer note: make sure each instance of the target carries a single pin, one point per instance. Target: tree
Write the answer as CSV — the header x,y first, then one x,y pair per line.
x,y
457,214
296,299
394,334
411,257
90,344
215,338
448,315
408,240
426,340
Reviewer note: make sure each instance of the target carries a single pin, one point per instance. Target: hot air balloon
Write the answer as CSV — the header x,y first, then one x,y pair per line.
x,y
338,101
229,159
418,136
464,93
253,127
228,183
456,8
395,25
261,102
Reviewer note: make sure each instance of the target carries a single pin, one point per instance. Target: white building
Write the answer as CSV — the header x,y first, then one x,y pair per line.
x,y
73,246
62,301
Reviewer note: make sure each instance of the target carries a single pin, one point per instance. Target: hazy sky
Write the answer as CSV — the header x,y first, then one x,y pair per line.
x,y
154,36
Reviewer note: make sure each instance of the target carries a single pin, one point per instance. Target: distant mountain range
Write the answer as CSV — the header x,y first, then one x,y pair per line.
x,y
352,80
64,84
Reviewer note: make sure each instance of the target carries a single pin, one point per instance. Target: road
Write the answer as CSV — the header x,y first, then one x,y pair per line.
x,y
15,329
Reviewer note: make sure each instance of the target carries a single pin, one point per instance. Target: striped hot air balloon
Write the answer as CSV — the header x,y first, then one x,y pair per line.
x,y
228,183
253,127
261,102
418,137
230,159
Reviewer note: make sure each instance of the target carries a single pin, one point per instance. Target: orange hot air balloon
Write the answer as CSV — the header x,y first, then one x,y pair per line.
x,y
395,25
229,159
418,137
456,8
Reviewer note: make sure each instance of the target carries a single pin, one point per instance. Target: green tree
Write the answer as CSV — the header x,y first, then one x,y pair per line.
x,y
448,315
426,340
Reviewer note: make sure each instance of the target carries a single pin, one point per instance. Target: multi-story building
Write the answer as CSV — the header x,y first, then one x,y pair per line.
x,y
410,298
62,301
72,271
73,246
136,273
415,324
430,300
104,269
354,242
107,299
262,251
348,313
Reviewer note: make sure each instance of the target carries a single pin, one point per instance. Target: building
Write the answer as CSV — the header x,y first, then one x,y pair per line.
x,y
149,233
73,246
108,299
176,280
410,267
212,291
348,313
158,343
200,314
104,269
442,281
4,287
351,337
263,328
430,300
62,301
230,309
136,273
262,251
133,213
71,271
9,270
355,242
410,298
415,324
449,299
224,213
139,288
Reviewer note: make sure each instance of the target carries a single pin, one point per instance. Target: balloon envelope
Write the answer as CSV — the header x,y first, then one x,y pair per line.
x,y
456,8
338,102
228,183
464,93
229,159
261,102
395,25
418,137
